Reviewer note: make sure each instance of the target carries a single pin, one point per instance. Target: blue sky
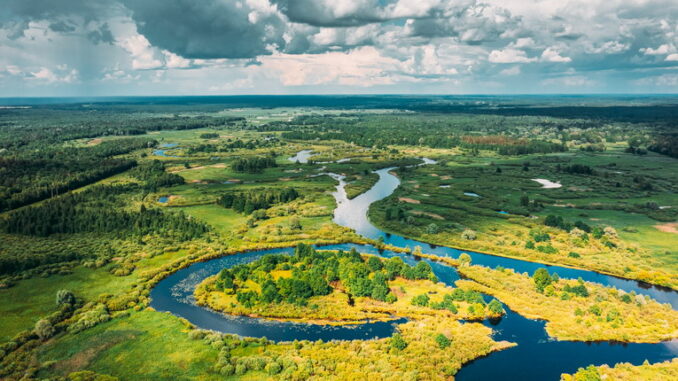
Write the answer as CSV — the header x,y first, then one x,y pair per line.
x,y
184,47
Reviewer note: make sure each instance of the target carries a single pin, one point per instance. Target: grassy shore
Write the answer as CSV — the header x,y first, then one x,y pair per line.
x,y
604,314
663,371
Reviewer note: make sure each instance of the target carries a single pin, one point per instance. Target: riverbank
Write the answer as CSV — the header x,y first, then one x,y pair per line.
x,y
577,311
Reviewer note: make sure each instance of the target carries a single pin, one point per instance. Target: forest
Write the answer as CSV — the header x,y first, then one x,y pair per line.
x,y
255,199
538,224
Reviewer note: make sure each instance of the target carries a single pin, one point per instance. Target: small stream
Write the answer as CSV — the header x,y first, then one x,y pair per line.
x,y
537,357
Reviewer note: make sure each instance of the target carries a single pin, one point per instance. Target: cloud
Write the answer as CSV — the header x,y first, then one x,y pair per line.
x,y
209,28
661,50
577,81
550,55
509,55
515,70
64,75
422,42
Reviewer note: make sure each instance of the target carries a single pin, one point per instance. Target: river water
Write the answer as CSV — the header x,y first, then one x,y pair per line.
x,y
537,357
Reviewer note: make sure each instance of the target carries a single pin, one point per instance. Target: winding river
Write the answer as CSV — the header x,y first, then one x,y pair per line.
x,y
537,357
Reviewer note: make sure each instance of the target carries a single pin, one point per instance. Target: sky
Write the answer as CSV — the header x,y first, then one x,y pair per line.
x,y
221,47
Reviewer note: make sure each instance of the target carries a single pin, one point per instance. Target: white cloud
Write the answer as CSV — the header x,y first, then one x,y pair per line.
x,y
515,70
569,81
144,56
672,57
509,55
661,50
526,42
550,55
63,74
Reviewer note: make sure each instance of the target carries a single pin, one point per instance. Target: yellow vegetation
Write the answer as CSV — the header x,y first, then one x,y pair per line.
x,y
663,371
603,315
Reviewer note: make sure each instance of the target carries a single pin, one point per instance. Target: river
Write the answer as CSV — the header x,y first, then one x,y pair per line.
x,y
537,357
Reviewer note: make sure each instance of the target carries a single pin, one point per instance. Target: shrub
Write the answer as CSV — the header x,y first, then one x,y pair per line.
x,y
468,235
44,329
98,314
432,229
65,297
541,279
397,342
443,341
610,232
495,307
420,300
273,368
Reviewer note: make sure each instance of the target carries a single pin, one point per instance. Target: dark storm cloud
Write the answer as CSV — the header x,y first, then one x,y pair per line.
x,y
101,35
334,13
17,14
62,26
207,29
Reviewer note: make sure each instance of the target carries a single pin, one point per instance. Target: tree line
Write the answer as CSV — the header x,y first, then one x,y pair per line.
x,y
255,164
248,201
94,211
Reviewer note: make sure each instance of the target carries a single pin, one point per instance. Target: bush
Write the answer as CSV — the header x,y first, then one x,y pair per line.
x,y
273,368
443,341
64,297
397,342
420,300
98,314
468,235
44,329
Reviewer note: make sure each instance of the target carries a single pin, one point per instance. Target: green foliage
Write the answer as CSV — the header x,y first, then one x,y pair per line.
x,y
397,342
468,235
579,290
255,199
84,212
495,307
420,300
589,373
44,329
311,274
65,297
154,176
98,314
442,341
541,279
253,164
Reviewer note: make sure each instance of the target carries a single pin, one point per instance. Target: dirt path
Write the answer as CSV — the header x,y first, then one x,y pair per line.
x,y
671,227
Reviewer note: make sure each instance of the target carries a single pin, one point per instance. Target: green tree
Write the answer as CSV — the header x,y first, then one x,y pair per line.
x,y
65,297
420,300
397,342
443,341
44,329
495,307
541,279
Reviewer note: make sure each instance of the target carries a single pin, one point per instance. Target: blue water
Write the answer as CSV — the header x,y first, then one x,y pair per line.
x,y
301,156
163,199
175,294
163,152
537,357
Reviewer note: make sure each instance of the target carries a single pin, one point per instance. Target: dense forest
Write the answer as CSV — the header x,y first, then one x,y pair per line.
x,y
368,132
97,210
313,271
254,164
154,176
32,175
249,201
